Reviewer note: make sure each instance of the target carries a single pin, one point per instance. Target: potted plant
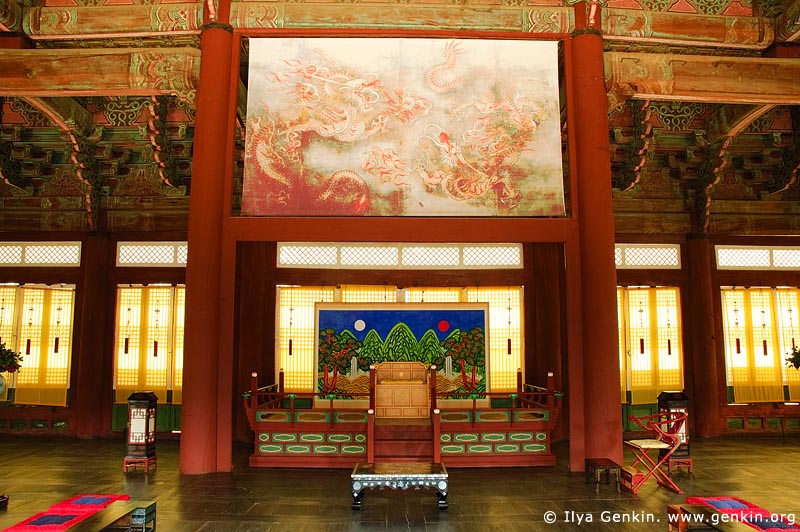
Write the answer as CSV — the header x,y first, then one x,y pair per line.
x,y
10,360
794,358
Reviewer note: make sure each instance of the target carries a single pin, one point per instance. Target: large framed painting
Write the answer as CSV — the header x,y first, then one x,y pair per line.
x,y
402,127
351,337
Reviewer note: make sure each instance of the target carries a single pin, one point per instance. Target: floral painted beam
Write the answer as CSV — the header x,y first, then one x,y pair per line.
x,y
82,72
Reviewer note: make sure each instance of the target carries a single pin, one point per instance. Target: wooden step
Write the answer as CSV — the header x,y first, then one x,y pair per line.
x,y
403,433
630,477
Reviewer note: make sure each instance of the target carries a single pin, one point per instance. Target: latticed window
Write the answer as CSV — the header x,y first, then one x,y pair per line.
x,y
36,321
761,328
382,255
40,254
297,333
758,258
647,256
161,254
651,353
149,341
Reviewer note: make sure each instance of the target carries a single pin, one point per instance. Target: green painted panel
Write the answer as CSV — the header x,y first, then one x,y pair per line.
x,y
468,436
272,417
361,438
479,448
354,449
60,424
326,449
298,449
493,417
493,436
735,423
533,448
270,448
754,423
313,417
263,436
507,448
284,436
532,415
340,438
520,436
119,417
312,437
446,438
455,417
452,449
351,417
541,436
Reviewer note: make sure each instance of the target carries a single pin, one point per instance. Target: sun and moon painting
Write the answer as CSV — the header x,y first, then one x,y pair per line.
x,y
451,337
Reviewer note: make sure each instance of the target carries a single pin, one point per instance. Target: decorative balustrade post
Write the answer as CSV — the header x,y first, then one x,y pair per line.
x,y
253,390
372,383
371,436
519,381
281,381
437,436
551,389
432,384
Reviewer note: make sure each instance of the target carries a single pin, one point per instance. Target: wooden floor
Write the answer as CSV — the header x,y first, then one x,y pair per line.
x,y
36,473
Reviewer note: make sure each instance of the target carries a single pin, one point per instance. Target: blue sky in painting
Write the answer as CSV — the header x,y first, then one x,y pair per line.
x,y
419,321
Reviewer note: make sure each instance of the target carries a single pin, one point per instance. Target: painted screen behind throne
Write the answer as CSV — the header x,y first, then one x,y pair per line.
x,y
402,127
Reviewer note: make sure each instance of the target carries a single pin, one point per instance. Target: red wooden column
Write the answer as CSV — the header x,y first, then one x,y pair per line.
x,y
602,410
201,401
701,371
93,370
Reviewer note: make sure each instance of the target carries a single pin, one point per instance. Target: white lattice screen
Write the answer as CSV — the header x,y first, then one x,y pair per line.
x,y
160,254
40,253
393,256
647,256
757,258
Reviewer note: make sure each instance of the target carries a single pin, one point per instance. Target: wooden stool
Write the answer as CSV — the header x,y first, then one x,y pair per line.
x,y
677,462
146,462
595,466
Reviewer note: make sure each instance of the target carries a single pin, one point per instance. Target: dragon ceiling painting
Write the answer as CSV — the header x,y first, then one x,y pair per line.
x,y
402,127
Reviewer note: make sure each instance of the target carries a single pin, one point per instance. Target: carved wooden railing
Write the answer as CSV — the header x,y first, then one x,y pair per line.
x,y
526,397
274,397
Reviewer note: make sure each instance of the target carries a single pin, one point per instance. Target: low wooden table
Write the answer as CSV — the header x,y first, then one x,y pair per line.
x,y
594,467
399,475
139,516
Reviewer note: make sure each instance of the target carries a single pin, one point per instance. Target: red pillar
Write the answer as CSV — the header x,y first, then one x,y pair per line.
x,y
602,410
702,374
202,405
93,372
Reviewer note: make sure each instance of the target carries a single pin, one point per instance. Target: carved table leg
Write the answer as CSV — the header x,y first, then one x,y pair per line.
x,y
358,492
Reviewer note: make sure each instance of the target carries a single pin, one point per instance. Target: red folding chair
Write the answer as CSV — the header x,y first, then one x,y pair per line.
x,y
665,440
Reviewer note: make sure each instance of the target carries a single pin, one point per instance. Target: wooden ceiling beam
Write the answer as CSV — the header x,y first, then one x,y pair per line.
x,y
88,72
695,78
103,22
687,29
